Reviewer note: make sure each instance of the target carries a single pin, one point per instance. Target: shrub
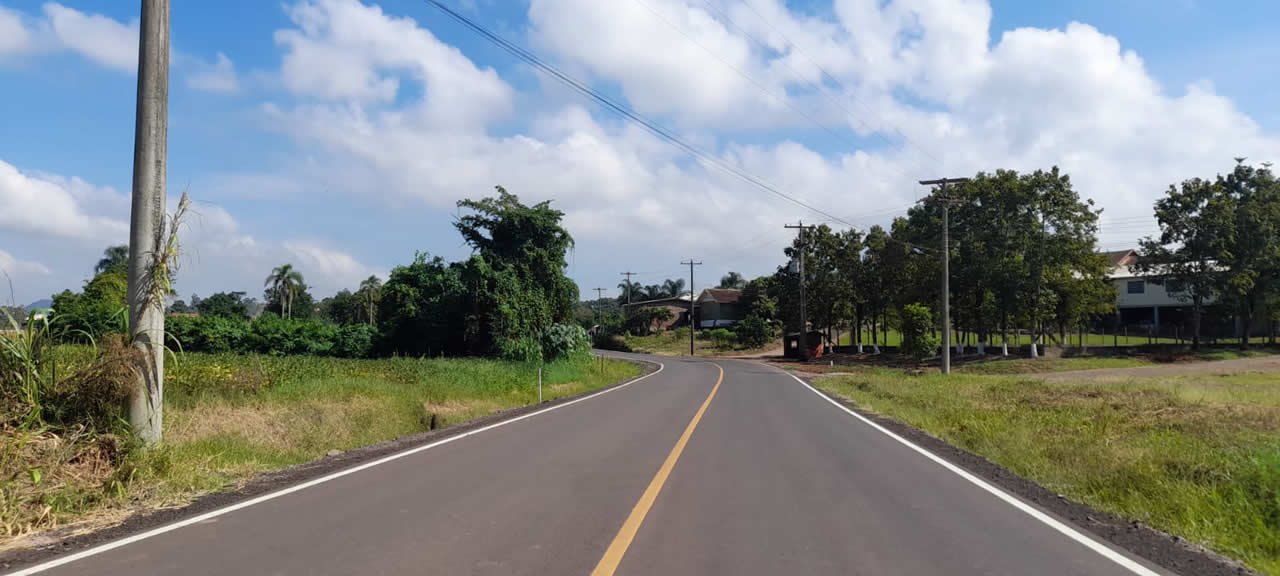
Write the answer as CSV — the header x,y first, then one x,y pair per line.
x,y
610,342
721,338
565,341
212,334
354,341
270,334
754,331
917,331
522,349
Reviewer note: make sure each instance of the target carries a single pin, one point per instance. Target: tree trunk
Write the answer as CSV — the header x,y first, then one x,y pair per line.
x,y
1246,326
1196,304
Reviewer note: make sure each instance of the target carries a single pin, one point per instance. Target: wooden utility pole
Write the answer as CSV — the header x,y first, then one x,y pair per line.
x,y
692,322
628,275
942,198
804,316
147,218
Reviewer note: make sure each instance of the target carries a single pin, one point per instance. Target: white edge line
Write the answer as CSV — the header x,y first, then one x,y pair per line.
x,y
321,480
1070,532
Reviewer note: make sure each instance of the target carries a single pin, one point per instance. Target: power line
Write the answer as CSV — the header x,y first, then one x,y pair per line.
x,y
636,117
625,111
781,99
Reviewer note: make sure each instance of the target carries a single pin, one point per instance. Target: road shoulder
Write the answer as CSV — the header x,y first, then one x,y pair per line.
x,y
1165,550
58,545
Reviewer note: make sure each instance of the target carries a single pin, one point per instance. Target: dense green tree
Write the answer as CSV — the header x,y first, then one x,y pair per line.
x,y
224,305
342,308
757,298
179,307
422,310
102,307
1194,221
515,278
1251,260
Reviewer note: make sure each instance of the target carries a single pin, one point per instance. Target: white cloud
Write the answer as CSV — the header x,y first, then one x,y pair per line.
x,y
96,37
51,205
219,77
343,50
69,221
20,270
14,36
327,269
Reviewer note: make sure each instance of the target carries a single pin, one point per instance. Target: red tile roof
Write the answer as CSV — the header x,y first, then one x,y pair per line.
x,y
723,295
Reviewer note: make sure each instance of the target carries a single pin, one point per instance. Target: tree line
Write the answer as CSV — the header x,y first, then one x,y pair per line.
x,y
509,299
1024,257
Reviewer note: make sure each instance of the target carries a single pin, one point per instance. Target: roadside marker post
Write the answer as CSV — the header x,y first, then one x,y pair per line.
x,y
539,384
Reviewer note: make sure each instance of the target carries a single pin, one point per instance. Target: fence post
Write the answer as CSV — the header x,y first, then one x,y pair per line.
x,y
539,384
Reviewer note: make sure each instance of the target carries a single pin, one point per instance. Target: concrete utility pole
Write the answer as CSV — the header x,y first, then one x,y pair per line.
x,y
942,198
599,297
691,263
147,219
804,316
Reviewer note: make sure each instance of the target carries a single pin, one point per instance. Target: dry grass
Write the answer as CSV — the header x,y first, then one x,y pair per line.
x,y
228,418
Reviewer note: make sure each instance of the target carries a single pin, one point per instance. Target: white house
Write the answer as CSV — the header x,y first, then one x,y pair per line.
x,y
1142,302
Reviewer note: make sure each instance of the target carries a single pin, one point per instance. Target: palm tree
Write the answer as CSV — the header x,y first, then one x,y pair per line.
x,y
733,280
285,282
674,288
631,290
112,257
370,292
653,292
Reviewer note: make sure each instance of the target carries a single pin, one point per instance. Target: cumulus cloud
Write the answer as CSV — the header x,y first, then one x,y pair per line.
x,y
53,205
14,36
96,37
344,50
20,270
218,76
327,268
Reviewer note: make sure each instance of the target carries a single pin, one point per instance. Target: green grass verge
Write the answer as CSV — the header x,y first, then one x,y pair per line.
x,y
1196,456
676,343
230,417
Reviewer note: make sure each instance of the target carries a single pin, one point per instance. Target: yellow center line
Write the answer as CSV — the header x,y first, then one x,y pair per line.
x,y
613,556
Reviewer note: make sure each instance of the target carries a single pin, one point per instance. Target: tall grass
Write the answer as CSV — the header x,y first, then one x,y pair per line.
x,y
228,417
1198,457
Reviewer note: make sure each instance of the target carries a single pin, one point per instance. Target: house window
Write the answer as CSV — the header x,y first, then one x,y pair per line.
x,y
1137,286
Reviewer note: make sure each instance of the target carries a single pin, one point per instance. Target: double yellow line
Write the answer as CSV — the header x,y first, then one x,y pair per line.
x,y
618,548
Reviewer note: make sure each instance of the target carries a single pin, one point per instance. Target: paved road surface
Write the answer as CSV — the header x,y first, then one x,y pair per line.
x,y
684,472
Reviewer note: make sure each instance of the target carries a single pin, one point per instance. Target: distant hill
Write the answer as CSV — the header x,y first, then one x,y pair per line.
x,y
40,304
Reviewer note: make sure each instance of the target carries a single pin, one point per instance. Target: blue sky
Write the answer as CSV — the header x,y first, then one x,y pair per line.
x,y
337,134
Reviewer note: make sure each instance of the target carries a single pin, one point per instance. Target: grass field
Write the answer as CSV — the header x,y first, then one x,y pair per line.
x,y
676,343
1196,456
230,417
894,338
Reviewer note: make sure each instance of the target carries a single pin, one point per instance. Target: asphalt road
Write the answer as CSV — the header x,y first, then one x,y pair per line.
x,y
684,472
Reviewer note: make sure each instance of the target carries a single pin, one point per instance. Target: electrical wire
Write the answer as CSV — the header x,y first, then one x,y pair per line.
x,y
636,117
